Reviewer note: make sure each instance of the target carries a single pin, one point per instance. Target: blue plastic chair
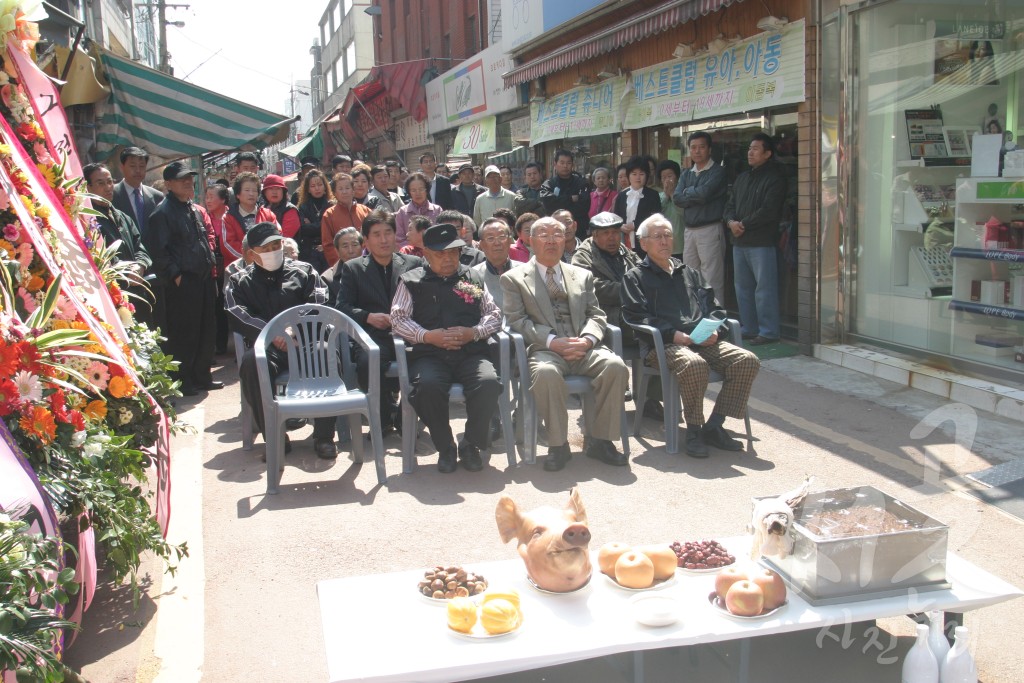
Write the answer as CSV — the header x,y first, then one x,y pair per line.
x,y
316,386
576,384
670,386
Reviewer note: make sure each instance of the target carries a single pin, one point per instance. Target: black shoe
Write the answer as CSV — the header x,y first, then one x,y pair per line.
x,y
653,410
212,385
557,457
628,397
748,337
761,341
605,451
469,455
188,390
719,438
495,428
293,423
325,449
447,460
695,446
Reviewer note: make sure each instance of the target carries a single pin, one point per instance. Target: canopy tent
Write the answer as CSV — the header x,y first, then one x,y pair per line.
x,y
172,119
311,145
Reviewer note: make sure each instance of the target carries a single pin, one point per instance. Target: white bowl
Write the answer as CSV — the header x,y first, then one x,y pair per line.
x,y
655,609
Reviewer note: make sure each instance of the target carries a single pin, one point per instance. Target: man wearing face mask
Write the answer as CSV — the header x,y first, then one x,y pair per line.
x,y
269,285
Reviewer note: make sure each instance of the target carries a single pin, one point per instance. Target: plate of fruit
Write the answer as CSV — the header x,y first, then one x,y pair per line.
x,y
496,615
754,593
639,568
441,584
701,557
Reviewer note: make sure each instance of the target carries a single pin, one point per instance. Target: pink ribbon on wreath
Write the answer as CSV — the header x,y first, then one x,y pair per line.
x,y
60,222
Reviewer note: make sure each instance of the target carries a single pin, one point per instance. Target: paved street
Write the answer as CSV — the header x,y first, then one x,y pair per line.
x,y
244,605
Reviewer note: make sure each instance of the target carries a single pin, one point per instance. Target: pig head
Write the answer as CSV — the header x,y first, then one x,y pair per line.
x,y
552,542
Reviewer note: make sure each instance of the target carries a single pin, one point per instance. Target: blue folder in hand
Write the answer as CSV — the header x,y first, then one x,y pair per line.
x,y
705,328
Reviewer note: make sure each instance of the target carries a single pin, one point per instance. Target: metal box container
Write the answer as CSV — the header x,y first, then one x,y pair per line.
x,y
831,565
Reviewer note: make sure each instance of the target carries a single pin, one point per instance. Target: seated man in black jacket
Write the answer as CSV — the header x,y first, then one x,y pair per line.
x,y
367,286
444,312
270,285
673,298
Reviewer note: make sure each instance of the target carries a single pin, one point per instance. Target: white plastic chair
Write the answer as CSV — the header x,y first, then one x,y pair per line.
x,y
670,386
576,384
316,388
411,423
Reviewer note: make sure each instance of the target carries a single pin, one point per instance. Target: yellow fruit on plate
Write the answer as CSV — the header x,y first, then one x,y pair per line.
x,y
499,616
461,614
510,595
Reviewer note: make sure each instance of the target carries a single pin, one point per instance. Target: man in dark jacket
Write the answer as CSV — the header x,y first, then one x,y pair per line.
x,y
180,240
528,198
131,196
752,213
367,286
440,187
566,189
673,298
464,194
444,312
270,285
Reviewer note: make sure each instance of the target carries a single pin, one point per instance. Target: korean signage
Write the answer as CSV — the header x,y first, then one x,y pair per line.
x,y
588,110
476,138
763,71
410,133
472,90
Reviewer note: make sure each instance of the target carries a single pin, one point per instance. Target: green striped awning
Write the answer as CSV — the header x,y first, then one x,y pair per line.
x,y
171,118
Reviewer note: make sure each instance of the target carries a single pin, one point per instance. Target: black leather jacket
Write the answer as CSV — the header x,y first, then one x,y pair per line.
x,y
177,240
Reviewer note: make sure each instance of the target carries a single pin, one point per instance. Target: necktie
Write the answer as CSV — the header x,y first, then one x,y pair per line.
x,y
554,289
140,209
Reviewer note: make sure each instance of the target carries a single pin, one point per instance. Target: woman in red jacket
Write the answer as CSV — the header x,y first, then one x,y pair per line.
x,y
242,215
276,195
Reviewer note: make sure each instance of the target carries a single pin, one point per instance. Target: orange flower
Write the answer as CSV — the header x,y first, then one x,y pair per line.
x,y
35,283
39,423
96,410
120,387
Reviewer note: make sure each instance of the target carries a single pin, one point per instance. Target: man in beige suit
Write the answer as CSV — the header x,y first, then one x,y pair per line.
x,y
553,305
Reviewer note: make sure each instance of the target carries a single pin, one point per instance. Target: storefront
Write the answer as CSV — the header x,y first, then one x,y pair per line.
x,y
922,239
665,71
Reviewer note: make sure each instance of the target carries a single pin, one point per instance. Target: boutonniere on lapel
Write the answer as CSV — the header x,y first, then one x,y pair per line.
x,y
468,292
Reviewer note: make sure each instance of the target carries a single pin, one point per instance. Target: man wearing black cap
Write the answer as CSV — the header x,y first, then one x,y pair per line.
x,y
465,193
181,242
270,285
444,312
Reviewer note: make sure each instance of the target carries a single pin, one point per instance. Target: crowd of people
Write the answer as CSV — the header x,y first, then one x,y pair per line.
x,y
445,258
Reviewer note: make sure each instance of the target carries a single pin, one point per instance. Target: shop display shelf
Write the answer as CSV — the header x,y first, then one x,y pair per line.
x,y
991,310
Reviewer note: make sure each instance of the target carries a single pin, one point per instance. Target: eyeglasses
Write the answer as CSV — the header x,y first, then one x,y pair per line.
x,y
549,237
660,237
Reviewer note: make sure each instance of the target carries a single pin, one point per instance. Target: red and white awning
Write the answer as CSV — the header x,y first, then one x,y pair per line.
x,y
651,22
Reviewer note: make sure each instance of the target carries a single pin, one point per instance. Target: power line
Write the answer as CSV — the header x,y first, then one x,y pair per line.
x,y
233,62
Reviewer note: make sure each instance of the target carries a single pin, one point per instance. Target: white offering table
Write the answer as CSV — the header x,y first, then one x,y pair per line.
x,y
378,628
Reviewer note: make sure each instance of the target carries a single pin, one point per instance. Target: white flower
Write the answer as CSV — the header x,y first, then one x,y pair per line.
x,y
124,416
29,387
78,438
125,315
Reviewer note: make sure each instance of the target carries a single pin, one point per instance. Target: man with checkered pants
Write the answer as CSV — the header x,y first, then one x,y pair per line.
x,y
673,298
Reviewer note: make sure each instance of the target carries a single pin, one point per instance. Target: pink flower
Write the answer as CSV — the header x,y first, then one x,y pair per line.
x,y
12,233
5,202
98,375
27,300
42,154
65,309
25,254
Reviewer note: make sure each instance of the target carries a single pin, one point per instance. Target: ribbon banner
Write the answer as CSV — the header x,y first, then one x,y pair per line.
x,y
78,282
766,70
580,112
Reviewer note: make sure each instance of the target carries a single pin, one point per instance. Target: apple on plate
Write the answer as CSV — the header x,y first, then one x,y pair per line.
x,y
663,558
772,585
608,555
745,599
726,578
634,570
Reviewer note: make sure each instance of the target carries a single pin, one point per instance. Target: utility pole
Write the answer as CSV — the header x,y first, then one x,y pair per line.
x,y
161,9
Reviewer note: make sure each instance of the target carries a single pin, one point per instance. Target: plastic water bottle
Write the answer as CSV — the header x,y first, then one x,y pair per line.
x,y
920,665
958,666
937,637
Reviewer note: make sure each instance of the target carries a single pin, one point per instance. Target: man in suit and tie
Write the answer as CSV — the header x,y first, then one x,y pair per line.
x,y
367,286
553,305
130,195
440,187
